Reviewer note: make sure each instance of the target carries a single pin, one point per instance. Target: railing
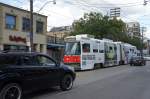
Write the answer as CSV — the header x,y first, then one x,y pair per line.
x,y
55,40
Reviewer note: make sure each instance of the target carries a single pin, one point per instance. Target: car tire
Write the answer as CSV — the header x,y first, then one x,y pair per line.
x,y
66,82
143,64
11,91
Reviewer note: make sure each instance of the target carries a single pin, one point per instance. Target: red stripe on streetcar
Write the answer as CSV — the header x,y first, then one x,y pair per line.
x,y
71,59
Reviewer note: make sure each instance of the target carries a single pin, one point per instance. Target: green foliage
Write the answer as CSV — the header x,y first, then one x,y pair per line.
x,y
100,26
137,42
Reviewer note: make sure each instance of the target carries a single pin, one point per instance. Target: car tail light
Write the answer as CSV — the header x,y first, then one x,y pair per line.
x,y
71,59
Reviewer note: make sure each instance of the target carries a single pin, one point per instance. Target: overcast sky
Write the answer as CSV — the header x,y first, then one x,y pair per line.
x,y
64,12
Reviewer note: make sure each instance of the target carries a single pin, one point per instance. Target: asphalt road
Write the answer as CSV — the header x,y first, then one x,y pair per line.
x,y
121,82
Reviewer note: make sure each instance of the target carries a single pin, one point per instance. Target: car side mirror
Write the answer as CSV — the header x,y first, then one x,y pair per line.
x,y
57,63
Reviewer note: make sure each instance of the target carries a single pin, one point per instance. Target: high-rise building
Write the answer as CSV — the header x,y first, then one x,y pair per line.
x,y
133,29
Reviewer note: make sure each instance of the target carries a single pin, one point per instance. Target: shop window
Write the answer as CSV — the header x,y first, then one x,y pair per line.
x,y
26,24
39,27
15,48
10,21
86,48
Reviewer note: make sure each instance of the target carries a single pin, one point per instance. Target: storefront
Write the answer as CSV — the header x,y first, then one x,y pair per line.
x,y
15,29
15,43
56,51
16,48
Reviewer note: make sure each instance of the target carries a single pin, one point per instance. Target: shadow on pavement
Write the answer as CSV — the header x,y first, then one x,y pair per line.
x,y
41,93
98,68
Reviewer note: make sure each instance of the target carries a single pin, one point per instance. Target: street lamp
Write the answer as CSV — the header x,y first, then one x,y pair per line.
x,y
31,21
145,2
54,2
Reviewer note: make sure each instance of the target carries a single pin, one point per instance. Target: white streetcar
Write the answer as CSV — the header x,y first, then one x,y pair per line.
x,y
85,52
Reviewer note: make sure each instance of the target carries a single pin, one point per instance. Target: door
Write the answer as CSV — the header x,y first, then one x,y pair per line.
x,y
50,69
87,56
33,75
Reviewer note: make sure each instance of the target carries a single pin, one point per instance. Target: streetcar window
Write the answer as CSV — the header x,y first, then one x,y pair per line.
x,y
86,48
95,50
101,51
110,48
73,48
115,48
95,47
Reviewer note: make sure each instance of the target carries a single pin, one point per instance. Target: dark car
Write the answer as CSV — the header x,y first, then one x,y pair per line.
x,y
27,72
137,61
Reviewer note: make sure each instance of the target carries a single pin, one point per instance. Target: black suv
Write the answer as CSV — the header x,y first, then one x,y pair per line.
x,y
24,72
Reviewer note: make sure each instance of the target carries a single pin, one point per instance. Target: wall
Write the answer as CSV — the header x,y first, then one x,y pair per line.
x,y
5,33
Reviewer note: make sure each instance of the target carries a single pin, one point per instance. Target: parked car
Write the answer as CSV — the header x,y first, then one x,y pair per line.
x,y
25,72
147,58
137,61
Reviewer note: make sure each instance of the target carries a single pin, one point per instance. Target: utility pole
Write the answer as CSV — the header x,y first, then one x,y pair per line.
x,y
143,29
55,38
31,21
31,26
142,43
148,47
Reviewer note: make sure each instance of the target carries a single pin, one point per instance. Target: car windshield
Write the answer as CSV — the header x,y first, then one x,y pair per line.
x,y
73,48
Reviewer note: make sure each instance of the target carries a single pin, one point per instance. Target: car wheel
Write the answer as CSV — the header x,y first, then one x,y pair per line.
x,y
11,91
66,82
143,64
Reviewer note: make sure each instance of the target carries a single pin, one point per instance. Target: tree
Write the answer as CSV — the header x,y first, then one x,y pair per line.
x,y
100,26
136,42
89,24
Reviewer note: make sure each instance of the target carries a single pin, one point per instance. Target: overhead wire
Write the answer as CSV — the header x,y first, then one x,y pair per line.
x,y
97,5
55,13
109,3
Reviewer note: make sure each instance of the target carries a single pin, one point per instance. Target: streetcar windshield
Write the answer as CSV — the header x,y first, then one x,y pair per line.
x,y
73,48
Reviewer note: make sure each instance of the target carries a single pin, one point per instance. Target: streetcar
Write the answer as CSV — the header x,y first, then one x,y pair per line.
x,y
84,52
